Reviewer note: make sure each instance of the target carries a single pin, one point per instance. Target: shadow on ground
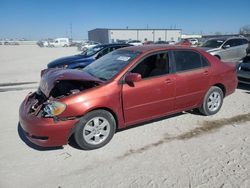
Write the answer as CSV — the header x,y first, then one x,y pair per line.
x,y
24,138
73,144
244,87
154,120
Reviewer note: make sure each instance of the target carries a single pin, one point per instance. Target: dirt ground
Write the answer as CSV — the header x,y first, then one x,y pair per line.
x,y
185,150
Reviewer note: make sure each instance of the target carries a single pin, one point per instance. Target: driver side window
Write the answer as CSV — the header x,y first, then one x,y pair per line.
x,y
103,52
231,43
154,65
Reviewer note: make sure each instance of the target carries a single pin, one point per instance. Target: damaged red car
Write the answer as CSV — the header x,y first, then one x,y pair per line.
x,y
123,88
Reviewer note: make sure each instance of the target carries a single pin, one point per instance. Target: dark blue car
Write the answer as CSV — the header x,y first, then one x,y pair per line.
x,y
86,57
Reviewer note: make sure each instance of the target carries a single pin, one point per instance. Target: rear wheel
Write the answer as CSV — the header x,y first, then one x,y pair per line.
x,y
95,129
212,102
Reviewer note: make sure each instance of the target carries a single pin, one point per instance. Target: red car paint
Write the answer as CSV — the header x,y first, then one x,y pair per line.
x,y
146,100
184,42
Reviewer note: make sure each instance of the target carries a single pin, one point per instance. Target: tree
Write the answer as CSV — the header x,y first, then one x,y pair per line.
x,y
245,30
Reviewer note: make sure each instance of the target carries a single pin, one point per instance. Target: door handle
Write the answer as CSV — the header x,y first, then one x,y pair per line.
x,y
206,73
168,81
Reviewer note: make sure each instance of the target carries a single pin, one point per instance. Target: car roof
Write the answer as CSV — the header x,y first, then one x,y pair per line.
x,y
113,44
227,38
156,47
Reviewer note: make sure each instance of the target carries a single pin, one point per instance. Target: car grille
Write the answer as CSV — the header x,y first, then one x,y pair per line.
x,y
245,69
244,79
39,98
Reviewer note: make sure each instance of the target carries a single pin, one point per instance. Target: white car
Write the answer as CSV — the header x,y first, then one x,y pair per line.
x,y
171,42
135,42
194,42
59,42
87,45
45,44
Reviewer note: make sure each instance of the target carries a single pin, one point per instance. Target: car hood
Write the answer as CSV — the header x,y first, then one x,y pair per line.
x,y
208,49
50,77
69,60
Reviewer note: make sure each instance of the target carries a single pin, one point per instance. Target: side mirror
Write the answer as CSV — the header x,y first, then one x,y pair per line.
x,y
226,46
132,77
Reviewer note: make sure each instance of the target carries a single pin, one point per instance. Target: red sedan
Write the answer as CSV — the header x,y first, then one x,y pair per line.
x,y
184,42
123,88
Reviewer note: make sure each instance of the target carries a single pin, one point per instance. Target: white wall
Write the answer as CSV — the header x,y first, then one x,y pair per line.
x,y
160,35
122,35
149,34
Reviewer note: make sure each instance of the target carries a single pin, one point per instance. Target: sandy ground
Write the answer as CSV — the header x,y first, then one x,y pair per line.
x,y
186,150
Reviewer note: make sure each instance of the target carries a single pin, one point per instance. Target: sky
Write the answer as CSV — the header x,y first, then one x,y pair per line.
x,y
40,19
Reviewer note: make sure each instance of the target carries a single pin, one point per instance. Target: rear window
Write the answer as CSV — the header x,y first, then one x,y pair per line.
x,y
244,41
188,60
213,43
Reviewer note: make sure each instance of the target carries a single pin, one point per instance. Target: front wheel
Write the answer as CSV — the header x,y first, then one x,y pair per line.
x,y
95,129
212,102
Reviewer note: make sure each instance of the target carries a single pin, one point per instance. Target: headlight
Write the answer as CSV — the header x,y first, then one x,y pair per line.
x,y
65,66
53,109
62,66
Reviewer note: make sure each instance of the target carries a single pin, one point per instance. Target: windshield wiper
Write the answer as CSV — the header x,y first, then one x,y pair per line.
x,y
101,78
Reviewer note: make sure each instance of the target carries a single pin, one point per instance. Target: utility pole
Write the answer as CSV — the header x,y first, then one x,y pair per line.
x,y
71,31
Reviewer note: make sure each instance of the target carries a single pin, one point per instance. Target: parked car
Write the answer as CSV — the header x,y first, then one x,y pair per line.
x,y
135,42
1,43
184,42
59,42
87,44
148,42
194,42
227,49
243,70
11,43
161,42
86,57
171,42
125,87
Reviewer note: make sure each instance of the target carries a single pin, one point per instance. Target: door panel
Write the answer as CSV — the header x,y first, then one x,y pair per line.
x,y
192,78
148,98
191,87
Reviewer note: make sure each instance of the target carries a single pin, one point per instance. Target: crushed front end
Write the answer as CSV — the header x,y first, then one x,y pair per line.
x,y
40,112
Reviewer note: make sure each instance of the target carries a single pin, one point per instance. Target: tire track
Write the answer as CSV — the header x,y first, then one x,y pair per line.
x,y
206,128
6,87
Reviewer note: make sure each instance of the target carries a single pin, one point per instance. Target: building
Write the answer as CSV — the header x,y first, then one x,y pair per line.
x,y
187,36
104,35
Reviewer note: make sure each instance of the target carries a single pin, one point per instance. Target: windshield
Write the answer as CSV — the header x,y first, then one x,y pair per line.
x,y
92,51
111,64
214,43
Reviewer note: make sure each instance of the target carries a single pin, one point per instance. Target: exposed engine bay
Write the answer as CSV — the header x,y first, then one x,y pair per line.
x,y
62,88
68,87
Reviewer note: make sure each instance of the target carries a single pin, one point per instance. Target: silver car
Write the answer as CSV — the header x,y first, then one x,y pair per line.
x,y
227,49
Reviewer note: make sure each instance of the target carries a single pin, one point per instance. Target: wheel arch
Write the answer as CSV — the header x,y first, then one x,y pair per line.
x,y
222,87
99,108
217,57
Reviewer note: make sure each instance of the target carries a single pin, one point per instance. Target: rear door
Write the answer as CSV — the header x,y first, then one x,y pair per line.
x,y
229,53
243,47
192,78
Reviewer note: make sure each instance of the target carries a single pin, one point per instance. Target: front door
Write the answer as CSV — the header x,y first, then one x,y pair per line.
x,y
154,95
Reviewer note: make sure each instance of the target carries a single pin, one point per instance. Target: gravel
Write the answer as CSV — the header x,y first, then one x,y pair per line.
x,y
184,150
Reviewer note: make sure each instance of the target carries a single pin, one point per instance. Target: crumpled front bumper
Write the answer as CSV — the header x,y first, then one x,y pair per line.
x,y
41,131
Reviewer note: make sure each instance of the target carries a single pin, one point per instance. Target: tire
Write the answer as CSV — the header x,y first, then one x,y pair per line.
x,y
212,102
95,130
